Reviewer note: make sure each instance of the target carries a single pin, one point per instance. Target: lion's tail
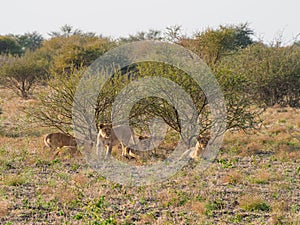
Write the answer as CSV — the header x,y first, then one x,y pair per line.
x,y
47,141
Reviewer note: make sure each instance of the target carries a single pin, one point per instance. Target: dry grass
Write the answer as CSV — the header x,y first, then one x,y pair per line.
x,y
275,136
37,189
65,194
198,207
262,177
3,208
279,207
167,197
252,148
68,153
80,180
14,180
147,219
252,202
233,177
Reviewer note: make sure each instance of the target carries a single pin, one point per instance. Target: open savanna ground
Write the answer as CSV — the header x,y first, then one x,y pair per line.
x,y
254,180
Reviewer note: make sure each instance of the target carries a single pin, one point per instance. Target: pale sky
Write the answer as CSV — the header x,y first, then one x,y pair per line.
x,y
115,18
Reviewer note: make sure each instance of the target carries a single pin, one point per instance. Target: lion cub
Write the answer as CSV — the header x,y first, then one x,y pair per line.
x,y
56,141
109,139
202,141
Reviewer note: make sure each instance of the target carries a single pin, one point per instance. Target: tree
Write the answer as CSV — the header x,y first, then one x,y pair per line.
x,y
78,51
68,30
151,34
240,115
8,45
297,43
211,45
173,33
21,73
67,52
56,106
30,41
273,70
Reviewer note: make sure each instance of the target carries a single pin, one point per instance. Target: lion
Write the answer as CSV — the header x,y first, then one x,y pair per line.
x,y
107,137
202,141
56,141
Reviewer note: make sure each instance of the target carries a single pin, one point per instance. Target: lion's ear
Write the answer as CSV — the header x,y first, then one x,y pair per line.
x,y
101,125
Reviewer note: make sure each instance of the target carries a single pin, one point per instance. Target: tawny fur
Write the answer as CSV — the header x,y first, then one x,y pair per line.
x,y
109,139
56,141
202,141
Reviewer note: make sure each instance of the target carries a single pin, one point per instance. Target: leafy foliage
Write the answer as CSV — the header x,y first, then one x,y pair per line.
x,y
30,41
250,74
8,45
141,36
68,30
67,52
55,105
272,71
212,45
22,73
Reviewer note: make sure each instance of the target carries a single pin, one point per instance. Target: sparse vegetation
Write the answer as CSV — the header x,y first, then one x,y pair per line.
x,y
254,179
23,73
253,203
